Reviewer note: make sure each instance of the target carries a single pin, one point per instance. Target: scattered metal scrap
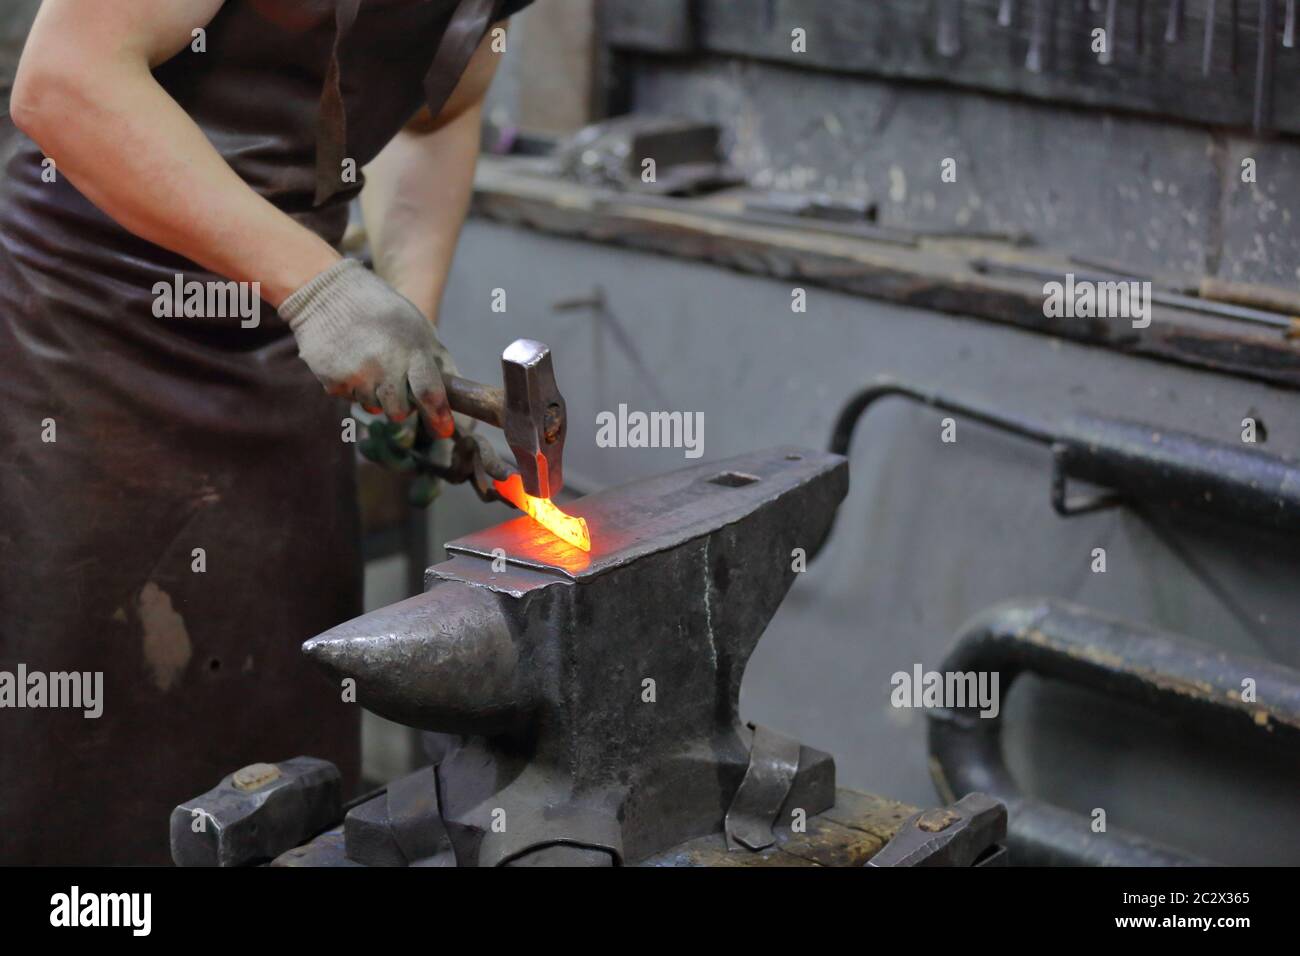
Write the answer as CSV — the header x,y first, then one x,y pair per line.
x,y
686,156
1287,322
879,262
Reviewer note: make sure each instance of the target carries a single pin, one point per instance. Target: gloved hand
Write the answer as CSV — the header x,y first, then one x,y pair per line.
x,y
362,339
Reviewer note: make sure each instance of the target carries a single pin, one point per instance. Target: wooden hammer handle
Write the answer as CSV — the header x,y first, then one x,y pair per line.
x,y
483,402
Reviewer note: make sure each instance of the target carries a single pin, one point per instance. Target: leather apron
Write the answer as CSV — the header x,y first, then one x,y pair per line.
x,y
177,503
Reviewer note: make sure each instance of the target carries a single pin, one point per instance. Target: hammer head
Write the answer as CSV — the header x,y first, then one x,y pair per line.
x,y
534,420
257,813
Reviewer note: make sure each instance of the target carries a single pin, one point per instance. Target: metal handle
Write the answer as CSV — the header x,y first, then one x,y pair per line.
x,y
1169,674
1148,463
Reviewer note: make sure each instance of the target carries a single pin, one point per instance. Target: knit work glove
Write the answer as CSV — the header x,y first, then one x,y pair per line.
x,y
363,340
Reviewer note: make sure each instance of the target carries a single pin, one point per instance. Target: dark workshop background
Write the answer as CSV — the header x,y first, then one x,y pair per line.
x,y
930,534
1143,170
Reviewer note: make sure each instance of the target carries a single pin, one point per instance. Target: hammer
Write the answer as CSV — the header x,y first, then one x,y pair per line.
x,y
528,408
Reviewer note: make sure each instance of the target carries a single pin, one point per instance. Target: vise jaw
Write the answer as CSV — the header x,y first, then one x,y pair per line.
x,y
597,693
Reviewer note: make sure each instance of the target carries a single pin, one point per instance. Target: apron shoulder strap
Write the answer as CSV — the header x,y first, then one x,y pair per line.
x,y
469,25
332,124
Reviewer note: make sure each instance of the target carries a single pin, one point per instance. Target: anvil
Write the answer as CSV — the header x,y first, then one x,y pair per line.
x,y
596,694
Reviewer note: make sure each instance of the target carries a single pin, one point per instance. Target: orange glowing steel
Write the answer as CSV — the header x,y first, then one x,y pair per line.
x,y
567,528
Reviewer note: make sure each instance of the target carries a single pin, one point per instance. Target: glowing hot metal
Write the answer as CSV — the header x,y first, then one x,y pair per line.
x,y
568,528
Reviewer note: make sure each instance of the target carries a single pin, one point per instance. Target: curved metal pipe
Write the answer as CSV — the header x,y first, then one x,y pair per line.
x,y
1069,643
856,407
1135,461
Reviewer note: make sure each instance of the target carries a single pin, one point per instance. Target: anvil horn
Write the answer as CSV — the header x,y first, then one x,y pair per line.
x,y
444,659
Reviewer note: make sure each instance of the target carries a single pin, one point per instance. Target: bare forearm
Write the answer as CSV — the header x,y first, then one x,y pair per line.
x,y
416,197
91,103
418,189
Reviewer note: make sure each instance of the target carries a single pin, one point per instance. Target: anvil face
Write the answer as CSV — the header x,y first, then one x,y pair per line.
x,y
607,679
659,513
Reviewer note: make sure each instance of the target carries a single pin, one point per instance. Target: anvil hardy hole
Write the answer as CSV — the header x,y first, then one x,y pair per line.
x,y
733,479
794,457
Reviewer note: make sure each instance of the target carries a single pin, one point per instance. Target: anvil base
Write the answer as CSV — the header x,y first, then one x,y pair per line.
x,y
849,834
